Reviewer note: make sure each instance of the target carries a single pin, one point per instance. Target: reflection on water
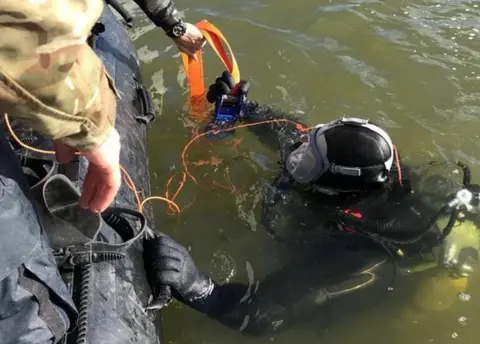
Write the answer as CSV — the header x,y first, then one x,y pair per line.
x,y
411,65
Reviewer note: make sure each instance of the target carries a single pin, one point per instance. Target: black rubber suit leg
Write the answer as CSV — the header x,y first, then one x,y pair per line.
x,y
35,306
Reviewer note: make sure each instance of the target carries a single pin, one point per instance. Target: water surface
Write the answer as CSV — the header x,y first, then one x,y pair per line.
x,y
412,66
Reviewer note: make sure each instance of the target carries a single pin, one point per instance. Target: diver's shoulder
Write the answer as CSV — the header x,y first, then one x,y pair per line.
x,y
265,112
253,107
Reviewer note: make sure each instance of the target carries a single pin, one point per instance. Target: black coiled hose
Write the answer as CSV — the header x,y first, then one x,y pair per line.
x,y
473,188
381,225
451,222
83,303
96,257
112,218
467,175
366,226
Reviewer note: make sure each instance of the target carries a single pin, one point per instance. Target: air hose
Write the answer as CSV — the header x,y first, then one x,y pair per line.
x,y
383,225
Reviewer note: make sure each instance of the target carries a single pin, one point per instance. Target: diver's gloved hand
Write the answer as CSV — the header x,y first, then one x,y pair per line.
x,y
229,102
225,85
169,263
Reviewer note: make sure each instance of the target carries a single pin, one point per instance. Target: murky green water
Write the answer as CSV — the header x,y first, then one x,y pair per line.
x,y
412,66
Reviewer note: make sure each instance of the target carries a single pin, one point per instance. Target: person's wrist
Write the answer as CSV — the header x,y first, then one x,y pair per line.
x,y
86,141
169,20
107,136
203,289
198,289
178,29
107,154
199,294
209,302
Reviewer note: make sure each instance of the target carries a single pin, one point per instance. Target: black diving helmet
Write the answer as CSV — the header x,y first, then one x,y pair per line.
x,y
343,151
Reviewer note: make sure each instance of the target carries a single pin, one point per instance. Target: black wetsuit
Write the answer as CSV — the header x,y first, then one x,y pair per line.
x,y
339,263
162,13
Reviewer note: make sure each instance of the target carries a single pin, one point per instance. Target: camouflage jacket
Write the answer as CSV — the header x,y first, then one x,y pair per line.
x,y
49,77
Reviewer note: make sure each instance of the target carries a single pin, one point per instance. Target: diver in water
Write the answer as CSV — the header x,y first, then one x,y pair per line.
x,y
347,208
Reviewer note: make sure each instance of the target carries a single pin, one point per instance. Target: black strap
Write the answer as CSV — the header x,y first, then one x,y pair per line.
x,y
37,170
122,11
95,251
367,173
47,310
147,109
346,170
119,224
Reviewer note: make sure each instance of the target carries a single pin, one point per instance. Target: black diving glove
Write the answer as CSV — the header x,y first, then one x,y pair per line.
x,y
229,101
169,263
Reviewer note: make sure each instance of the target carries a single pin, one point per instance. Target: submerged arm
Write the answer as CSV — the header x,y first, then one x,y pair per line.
x,y
280,131
323,290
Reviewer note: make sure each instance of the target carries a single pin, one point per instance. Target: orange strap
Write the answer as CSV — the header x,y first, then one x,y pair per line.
x,y
194,68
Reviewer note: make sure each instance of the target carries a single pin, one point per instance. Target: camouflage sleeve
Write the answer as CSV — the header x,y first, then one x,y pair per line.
x,y
49,77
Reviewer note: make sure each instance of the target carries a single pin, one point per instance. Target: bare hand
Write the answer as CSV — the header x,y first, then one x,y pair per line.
x,y
103,178
191,41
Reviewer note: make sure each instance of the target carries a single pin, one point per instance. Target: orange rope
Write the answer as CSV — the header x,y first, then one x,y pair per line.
x,y
397,163
185,149
127,177
173,208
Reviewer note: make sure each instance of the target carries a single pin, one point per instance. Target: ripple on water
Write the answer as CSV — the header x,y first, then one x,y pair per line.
x,y
367,74
224,266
